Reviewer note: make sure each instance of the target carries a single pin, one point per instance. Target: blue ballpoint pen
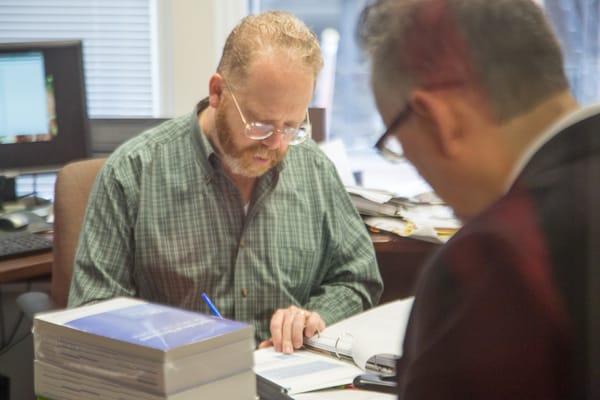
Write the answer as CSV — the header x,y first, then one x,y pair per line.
x,y
211,306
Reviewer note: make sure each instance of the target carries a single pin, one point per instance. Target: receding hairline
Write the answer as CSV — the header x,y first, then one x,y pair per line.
x,y
265,34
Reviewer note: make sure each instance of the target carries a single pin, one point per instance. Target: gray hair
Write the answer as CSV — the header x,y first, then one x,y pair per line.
x,y
264,34
506,47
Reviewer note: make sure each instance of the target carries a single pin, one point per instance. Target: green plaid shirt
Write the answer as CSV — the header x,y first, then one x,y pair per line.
x,y
165,224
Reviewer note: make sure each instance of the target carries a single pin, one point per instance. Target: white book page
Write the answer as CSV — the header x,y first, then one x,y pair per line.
x,y
345,394
64,316
376,331
303,371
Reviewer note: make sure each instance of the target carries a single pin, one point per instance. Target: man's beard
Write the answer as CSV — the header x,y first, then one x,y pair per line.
x,y
240,161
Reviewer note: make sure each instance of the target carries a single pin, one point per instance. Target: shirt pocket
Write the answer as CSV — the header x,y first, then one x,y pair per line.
x,y
297,268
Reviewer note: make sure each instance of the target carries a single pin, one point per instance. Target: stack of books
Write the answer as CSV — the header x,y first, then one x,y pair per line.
x,y
131,349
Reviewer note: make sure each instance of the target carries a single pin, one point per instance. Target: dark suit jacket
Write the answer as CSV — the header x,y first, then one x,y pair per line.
x,y
501,310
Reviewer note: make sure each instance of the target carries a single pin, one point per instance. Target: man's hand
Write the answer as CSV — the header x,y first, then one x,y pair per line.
x,y
289,326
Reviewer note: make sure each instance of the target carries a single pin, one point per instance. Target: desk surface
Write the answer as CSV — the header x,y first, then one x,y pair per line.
x,y
24,268
400,260
400,263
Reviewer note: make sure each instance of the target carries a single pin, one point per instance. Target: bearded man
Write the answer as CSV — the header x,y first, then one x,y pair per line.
x,y
234,200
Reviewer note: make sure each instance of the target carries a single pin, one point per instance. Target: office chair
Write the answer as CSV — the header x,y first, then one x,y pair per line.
x,y
72,189
318,120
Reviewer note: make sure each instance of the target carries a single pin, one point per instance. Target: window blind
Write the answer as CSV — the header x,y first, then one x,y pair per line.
x,y
117,46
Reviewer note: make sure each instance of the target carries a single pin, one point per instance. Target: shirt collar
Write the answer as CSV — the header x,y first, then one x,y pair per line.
x,y
205,149
570,119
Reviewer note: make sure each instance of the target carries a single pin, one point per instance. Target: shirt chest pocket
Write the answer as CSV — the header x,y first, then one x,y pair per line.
x,y
296,269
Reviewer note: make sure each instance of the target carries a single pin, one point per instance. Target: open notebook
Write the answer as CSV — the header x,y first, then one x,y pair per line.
x,y
370,340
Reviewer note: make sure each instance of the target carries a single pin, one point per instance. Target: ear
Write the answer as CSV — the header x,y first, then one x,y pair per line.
x,y
438,113
216,84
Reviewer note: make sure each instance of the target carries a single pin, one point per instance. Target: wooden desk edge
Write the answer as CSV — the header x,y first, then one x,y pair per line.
x,y
389,243
40,265
23,268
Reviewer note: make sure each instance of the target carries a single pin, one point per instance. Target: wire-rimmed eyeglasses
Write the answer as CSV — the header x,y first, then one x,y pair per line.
x,y
261,131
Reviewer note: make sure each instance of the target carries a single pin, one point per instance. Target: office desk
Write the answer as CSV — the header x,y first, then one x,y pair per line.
x,y
25,268
400,260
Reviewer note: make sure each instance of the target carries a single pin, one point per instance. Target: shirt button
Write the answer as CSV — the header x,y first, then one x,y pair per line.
x,y
244,292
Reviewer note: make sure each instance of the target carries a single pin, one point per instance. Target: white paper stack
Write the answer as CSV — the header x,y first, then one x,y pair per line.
x,y
423,216
128,348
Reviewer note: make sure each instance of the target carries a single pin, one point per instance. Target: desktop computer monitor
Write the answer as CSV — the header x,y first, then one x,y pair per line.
x,y
43,114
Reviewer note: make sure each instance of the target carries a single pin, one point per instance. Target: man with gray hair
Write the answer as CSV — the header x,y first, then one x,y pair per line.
x,y
234,200
475,93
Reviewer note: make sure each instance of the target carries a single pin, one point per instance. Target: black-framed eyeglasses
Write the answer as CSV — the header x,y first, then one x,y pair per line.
x,y
388,145
261,131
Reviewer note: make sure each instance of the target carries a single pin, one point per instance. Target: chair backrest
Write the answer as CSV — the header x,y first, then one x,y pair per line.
x,y
73,185
318,121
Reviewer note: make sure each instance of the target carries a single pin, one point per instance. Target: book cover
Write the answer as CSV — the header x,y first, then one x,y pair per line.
x,y
137,326
154,325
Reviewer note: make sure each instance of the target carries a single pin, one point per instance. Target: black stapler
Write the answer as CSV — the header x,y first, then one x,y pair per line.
x,y
376,382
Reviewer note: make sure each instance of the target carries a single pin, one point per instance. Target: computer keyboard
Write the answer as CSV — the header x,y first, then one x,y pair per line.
x,y
22,243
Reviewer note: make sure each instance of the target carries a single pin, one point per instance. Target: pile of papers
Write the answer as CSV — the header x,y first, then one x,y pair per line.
x,y
131,349
423,216
392,197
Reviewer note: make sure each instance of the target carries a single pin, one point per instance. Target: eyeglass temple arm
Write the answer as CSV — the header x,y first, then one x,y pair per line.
x,y
235,102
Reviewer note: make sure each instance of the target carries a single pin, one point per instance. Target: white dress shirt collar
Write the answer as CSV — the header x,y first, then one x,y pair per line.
x,y
570,119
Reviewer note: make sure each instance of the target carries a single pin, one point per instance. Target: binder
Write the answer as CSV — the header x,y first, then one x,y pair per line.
x,y
370,341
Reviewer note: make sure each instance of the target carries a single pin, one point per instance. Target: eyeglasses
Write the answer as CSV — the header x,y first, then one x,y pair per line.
x,y
388,145
262,131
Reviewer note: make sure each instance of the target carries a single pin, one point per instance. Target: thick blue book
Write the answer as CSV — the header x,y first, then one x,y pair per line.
x,y
155,325
152,346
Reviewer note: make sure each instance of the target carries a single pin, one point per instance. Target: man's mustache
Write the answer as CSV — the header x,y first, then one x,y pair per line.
x,y
268,154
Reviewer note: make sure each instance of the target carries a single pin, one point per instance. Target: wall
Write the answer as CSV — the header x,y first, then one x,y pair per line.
x,y
191,35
